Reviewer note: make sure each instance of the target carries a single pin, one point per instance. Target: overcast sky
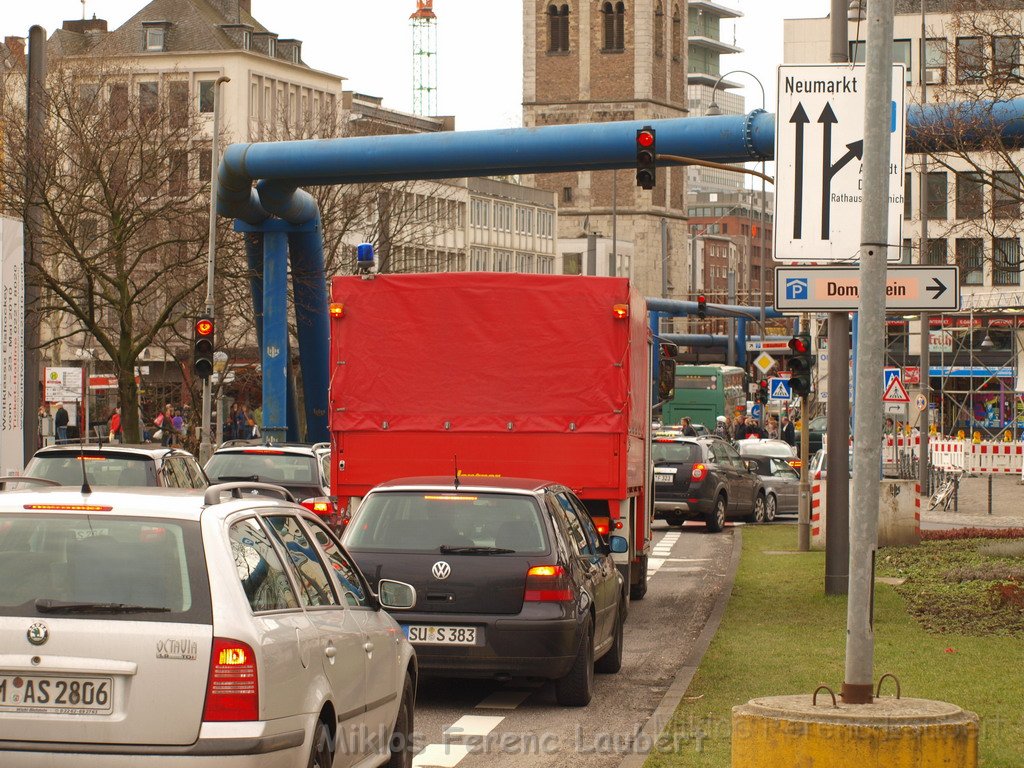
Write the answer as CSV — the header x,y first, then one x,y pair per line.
x,y
369,42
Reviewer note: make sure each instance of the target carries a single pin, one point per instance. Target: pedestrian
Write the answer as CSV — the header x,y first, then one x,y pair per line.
x,y
788,434
772,429
751,430
60,423
179,426
241,423
688,430
722,429
115,425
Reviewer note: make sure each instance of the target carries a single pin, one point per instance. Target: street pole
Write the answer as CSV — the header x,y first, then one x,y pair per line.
x,y
803,524
837,486
857,684
36,126
926,356
205,446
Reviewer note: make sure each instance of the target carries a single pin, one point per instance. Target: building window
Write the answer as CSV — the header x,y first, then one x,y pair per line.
x,y
935,205
177,178
178,104
155,39
614,26
572,264
271,46
206,96
246,40
677,34
149,101
1005,195
1005,261
558,29
205,164
659,30
901,54
936,251
1006,58
908,203
969,196
567,194
935,61
970,59
907,252
969,257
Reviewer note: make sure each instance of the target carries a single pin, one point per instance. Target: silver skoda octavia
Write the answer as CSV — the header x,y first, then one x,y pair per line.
x,y
178,627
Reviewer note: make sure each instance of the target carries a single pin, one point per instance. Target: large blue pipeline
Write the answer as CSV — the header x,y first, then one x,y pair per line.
x,y
259,186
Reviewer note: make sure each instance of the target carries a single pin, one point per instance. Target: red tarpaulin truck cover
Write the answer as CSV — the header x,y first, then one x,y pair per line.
x,y
531,364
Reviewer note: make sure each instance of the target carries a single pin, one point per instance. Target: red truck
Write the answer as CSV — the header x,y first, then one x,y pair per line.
x,y
491,374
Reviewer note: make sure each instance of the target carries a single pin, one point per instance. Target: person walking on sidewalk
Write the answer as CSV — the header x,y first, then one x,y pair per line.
x,y
60,423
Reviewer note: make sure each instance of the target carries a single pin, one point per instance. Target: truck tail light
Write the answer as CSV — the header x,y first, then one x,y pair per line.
x,y
700,471
232,691
548,584
601,523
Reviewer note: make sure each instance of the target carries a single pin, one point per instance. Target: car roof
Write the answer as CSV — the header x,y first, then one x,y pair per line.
x,y
467,483
151,451
178,503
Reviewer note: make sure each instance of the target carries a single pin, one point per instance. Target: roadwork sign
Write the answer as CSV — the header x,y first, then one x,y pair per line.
x,y
819,144
811,289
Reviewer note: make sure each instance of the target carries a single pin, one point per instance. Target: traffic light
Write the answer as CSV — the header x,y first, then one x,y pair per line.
x,y
202,347
762,392
645,156
702,307
667,370
801,363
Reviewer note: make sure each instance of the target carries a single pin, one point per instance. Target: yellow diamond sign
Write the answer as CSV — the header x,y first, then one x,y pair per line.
x,y
764,362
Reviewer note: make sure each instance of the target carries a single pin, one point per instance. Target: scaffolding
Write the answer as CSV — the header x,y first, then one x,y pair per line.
x,y
424,59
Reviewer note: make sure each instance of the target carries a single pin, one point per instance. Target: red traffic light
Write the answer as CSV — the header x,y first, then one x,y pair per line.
x,y
798,345
763,383
645,138
204,326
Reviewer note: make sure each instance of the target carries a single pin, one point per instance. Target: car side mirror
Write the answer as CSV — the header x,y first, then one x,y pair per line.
x,y
751,465
618,544
396,595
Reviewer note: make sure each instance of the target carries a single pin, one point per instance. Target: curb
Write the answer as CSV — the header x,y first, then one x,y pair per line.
x,y
659,719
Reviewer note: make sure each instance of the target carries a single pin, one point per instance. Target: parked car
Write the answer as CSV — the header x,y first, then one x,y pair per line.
x,y
704,478
201,628
816,429
781,486
819,463
512,576
301,468
115,464
780,449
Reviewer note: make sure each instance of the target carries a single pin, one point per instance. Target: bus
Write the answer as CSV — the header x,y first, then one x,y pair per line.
x,y
704,392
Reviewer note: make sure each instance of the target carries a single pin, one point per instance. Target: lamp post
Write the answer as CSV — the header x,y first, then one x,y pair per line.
x,y
205,446
714,109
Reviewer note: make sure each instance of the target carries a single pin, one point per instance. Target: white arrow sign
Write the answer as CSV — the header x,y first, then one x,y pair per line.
x,y
819,143
809,289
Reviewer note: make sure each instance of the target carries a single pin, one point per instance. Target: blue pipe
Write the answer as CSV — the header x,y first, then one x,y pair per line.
x,y
684,308
274,351
312,328
741,348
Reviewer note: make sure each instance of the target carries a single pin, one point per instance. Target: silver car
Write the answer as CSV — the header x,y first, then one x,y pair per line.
x,y
173,627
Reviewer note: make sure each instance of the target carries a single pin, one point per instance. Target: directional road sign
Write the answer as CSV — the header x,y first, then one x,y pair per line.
x,y
780,389
819,143
811,289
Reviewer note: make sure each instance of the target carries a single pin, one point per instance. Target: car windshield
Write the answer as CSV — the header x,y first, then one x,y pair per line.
x,y
101,468
89,565
264,465
420,521
675,452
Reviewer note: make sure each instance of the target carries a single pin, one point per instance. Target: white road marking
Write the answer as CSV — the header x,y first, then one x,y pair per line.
x,y
472,725
440,756
504,699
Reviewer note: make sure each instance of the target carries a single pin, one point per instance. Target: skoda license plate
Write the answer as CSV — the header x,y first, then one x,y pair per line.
x,y
434,635
63,695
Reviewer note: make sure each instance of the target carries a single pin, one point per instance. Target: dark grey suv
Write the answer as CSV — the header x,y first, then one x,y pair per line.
x,y
704,478
116,464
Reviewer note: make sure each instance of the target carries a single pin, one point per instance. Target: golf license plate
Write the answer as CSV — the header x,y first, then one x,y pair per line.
x,y
437,635
57,695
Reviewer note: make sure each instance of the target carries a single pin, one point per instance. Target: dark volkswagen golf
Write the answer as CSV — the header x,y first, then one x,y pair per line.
x,y
512,578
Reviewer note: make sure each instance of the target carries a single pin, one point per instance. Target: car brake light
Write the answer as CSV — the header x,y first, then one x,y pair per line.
x,y
320,506
70,507
548,584
699,472
232,691
263,452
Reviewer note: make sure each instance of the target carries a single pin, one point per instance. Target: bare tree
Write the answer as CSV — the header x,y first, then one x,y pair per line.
x,y
123,240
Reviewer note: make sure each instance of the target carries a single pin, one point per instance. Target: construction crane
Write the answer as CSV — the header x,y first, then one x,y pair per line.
x,y
424,58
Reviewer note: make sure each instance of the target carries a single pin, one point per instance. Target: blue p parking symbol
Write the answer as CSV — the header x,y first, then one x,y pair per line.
x,y
796,288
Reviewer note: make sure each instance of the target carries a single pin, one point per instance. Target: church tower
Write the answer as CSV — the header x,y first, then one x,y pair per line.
x,y
587,61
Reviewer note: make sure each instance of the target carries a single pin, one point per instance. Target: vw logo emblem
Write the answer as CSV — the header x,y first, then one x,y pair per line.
x,y
441,570
38,633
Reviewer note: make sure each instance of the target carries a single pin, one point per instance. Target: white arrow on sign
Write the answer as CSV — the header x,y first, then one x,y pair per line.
x,y
809,289
819,142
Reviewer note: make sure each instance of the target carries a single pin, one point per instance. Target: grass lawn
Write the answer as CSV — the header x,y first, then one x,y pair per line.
x,y
781,635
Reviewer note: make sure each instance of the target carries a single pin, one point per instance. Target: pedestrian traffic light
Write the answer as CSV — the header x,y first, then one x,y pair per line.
x,y
801,363
202,347
702,307
762,392
667,370
645,156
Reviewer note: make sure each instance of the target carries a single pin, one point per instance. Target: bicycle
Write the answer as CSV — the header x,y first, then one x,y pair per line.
x,y
944,493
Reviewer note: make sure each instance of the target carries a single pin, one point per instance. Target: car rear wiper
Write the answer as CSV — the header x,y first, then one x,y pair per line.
x,y
238,478
450,550
46,605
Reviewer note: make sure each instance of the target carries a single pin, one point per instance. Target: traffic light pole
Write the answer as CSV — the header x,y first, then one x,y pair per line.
x,y
803,523
205,439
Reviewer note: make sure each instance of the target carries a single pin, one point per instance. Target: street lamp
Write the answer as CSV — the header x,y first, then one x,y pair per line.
x,y
712,110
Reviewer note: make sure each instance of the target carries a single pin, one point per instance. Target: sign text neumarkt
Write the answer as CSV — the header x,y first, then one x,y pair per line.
x,y
819,145
827,289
